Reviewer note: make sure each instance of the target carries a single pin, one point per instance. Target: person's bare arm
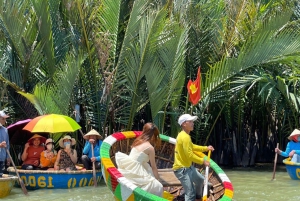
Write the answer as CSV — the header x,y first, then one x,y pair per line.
x,y
56,167
73,156
25,154
152,162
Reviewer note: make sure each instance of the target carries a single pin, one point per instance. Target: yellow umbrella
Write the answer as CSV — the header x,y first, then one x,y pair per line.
x,y
52,123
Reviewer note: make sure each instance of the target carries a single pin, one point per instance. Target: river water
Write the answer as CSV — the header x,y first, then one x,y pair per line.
x,y
253,184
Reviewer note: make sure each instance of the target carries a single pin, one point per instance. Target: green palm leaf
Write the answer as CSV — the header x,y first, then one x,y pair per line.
x,y
267,45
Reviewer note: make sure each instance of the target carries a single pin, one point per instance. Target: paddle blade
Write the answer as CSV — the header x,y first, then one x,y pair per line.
x,y
204,197
20,180
23,187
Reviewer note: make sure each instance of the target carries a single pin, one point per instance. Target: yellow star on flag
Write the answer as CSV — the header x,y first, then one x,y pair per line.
x,y
193,88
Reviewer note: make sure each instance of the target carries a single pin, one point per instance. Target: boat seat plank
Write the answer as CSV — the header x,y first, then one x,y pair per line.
x,y
168,178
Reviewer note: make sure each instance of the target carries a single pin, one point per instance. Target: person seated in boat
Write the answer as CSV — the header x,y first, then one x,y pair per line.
x,y
32,151
66,157
4,143
48,156
135,166
93,141
190,178
293,147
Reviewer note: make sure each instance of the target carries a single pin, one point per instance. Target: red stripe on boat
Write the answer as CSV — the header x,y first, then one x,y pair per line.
x,y
115,174
119,136
137,133
228,185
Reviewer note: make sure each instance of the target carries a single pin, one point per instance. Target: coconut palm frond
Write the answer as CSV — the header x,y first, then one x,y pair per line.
x,y
165,80
133,60
55,97
108,17
15,19
97,74
42,11
268,44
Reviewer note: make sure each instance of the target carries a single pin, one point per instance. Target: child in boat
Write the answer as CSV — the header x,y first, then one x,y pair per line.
x,y
66,157
48,156
32,152
293,147
93,138
135,166
191,180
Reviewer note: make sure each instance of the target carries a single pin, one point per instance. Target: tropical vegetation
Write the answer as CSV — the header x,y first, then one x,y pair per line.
x,y
118,64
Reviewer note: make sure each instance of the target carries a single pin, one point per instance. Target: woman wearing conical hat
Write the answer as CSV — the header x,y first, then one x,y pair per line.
x,y
292,148
93,138
32,151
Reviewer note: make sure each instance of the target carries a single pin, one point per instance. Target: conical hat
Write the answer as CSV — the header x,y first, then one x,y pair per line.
x,y
92,132
295,132
42,139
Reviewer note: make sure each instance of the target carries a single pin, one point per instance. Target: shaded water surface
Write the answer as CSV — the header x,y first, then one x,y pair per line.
x,y
249,184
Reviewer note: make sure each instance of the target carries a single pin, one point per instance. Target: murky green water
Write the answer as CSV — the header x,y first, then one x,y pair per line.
x,y
249,184
258,185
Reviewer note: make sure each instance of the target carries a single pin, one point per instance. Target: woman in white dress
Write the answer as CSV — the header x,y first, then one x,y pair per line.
x,y
135,166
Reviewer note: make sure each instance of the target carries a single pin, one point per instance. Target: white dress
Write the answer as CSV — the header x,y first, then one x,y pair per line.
x,y
137,170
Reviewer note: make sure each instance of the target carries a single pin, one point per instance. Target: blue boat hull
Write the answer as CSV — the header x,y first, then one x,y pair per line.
x,y
36,179
293,169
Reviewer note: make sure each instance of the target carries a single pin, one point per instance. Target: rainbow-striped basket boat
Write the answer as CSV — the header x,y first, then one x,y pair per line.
x,y
122,189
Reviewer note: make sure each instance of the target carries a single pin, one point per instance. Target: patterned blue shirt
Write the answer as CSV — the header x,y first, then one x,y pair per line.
x,y
3,137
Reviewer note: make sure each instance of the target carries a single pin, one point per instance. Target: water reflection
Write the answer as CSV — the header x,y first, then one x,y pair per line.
x,y
253,184
257,184
90,193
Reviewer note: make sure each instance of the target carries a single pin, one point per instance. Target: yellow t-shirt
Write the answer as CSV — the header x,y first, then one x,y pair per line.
x,y
184,155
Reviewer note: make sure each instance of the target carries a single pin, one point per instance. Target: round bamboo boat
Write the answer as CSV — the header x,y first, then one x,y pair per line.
x,y
6,184
122,189
292,168
54,179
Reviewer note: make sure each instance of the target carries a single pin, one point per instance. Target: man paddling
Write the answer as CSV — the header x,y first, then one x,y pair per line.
x,y
187,174
4,143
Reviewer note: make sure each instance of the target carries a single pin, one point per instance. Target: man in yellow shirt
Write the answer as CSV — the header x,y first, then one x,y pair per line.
x,y
187,174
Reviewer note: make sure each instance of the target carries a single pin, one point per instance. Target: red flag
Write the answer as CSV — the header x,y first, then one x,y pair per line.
x,y
194,89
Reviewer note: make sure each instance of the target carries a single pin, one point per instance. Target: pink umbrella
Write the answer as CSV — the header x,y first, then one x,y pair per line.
x,y
17,135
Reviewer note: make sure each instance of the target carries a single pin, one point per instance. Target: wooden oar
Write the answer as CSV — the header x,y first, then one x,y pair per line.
x,y
204,198
94,169
275,162
20,180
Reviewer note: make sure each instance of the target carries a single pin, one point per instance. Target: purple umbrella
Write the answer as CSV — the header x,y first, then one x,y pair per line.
x,y
17,135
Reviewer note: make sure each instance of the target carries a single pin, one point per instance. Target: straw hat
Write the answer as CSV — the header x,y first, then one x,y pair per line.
x,y
42,139
49,140
295,132
92,132
67,137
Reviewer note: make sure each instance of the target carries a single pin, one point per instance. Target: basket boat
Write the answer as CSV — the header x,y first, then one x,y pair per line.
x,y
6,184
292,168
122,189
36,179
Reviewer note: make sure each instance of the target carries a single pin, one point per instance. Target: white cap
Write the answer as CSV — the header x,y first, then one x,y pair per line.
x,y
2,114
186,117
